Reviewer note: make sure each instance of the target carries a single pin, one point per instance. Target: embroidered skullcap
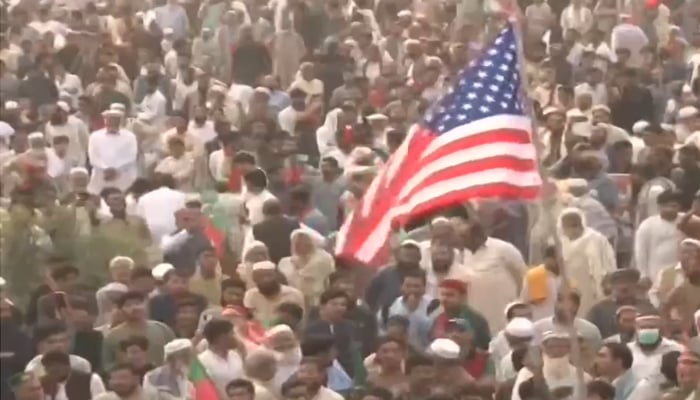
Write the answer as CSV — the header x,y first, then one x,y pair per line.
x,y
177,345
160,270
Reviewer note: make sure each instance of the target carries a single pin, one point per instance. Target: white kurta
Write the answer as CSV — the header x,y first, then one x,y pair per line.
x,y
112,150
656,246
496,272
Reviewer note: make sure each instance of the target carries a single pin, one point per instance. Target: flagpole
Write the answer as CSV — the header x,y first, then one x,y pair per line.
x,y
550,221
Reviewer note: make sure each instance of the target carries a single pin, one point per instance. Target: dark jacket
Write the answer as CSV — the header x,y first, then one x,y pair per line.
x,y
88,345
634,104
184,256
276,233
77,386
342,333
16,350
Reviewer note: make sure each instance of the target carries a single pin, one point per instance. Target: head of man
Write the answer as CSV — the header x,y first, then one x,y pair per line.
x,y
176,282
452,295
556,347
52,336
408,255
333,304
240,389
613,360
690,260
624,284
626,325
260,364
566,307
669,203
311,373
442,255
134,350
56,363
124,380
132,306
266,278
519,332
219,335
648,330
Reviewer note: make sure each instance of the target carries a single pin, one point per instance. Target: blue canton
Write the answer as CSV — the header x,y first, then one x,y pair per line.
x,y
489,86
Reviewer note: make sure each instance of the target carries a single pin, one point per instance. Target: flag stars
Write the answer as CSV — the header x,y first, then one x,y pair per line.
x,y
484,109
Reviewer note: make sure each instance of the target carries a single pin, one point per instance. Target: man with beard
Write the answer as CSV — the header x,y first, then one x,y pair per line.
x,y
625,317
221,359
331,321
113,152
125,385
453,305
61,381
25,386
282,341
442,264
613,364
171,377
686,297
385,287
260,368
649,345
269,293
311,374
62,123
674,276
163,307
557,370
15,349
624,284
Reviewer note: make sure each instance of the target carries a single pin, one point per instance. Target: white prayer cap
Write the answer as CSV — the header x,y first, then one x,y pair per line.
x,y
114,287
278,329
667,127
575,113
582,128
583,89
264,266
410,242
160,270
358,170
217,89
697,314
687,112
168,31
35,135
377,117
512,305
690,242
639,127
578,184
404,13
686,89
557,334
444,348
118,107
11,105
3,282
316,238
193,198
409,42
552,110
6,130
263,90
121,261
177,345
78,171
439,220
520,327
63,106
112,113
600,107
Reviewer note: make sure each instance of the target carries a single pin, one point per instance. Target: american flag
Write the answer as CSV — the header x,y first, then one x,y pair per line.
x,y
474,143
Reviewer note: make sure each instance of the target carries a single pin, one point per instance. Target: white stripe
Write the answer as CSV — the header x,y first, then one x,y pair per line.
x,y
376,240
478,127
474,154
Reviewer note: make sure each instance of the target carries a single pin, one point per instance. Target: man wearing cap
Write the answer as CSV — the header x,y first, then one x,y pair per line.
x,y
687,122
453,304
171,377
625,285
556,365
113,152
269,293
673,276
385,287
519,334
500,344
625,318
685,299
450,374
649,345
62,123
283,342
475,361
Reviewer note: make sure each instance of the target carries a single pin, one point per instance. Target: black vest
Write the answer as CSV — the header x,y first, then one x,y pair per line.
x,y
77,386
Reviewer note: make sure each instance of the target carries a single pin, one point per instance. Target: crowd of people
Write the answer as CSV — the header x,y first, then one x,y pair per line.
x,y
174,174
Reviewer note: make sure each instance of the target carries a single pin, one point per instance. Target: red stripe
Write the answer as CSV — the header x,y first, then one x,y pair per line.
x,y
470,167
505,135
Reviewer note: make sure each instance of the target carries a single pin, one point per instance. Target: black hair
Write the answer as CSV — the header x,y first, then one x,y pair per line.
x,y
243,157
414,273
216,328
140,272
602,389
572,294
272,207
332,294
130,296
669,196
62,272
47,329
123,367
620,351
55,357
314,346
292,309
300,193
256,178
136,340
289,384
388,339
175,273
622,144
241,384
232,283
296,92
512,308
106,192
339,275
517,357
669,362
417,360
